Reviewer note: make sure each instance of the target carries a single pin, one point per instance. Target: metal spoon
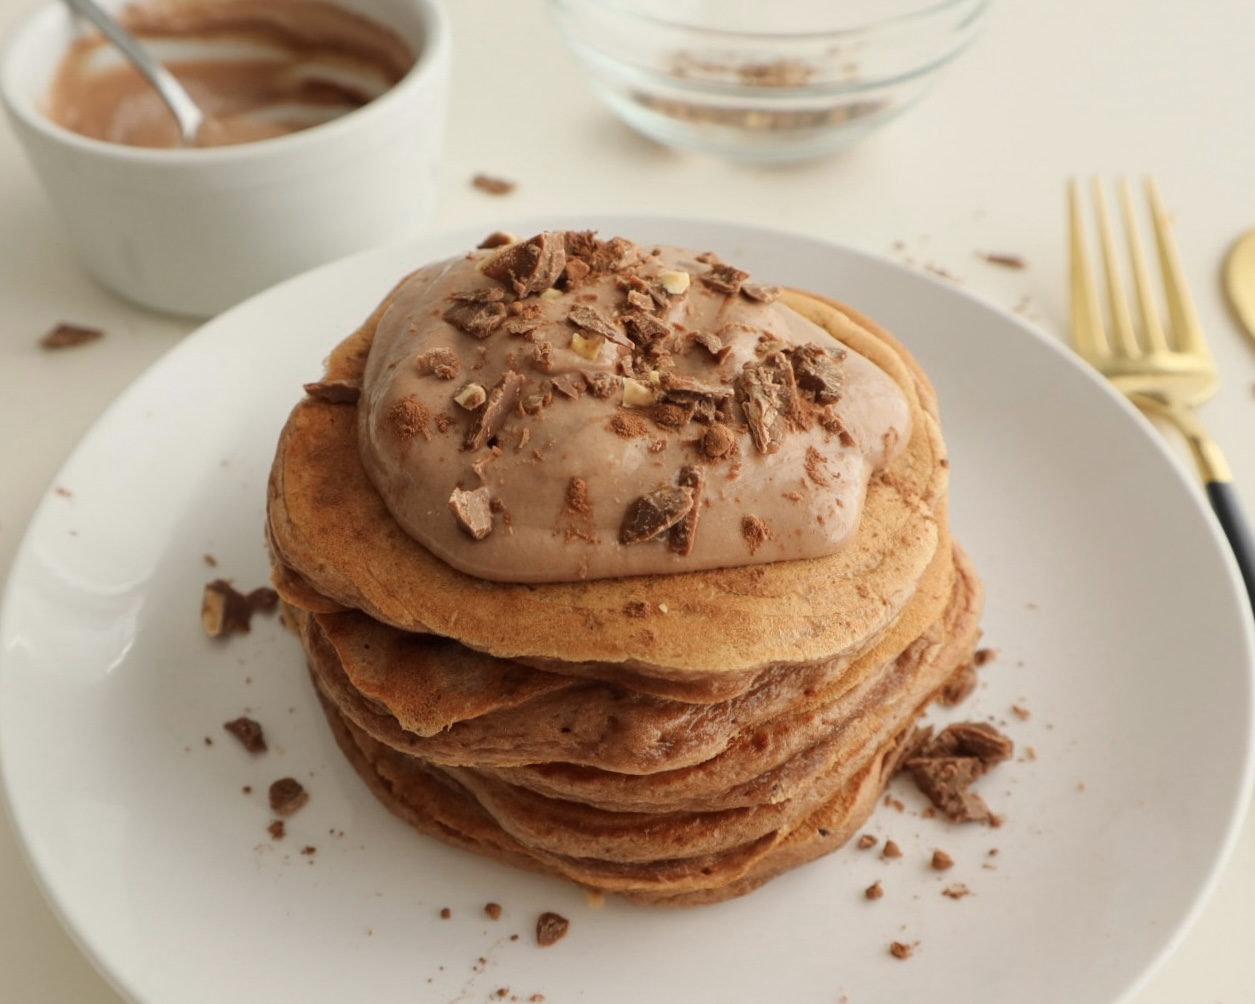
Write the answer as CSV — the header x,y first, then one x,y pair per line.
x,y
189,117
1239,280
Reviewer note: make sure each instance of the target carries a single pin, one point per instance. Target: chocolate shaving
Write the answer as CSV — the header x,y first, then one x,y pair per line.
x,y
723,278
248,732
682,534
767,394
759,293
592,320
651,514
531,266
502,400
69,336
945,766
334,391
478,312
473,511
818,372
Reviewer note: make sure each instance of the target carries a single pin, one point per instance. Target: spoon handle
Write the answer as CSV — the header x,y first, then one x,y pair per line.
x,y
188,115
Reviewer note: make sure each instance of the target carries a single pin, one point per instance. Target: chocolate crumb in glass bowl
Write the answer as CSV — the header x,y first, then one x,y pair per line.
x,y
69,336
287,795
551,928
248,732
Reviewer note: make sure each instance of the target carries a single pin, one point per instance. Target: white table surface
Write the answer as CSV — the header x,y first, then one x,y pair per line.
x,y
1053,88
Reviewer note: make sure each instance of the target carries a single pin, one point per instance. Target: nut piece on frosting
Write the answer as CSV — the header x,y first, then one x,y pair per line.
x,y
733,397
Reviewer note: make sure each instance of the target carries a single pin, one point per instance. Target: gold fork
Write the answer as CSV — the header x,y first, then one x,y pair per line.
x,y
1165,369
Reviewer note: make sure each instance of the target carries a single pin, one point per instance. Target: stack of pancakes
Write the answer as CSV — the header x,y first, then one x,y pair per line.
x,y
677,738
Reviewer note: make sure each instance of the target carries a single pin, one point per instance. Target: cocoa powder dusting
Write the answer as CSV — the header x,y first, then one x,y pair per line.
x,y
755,532
408,418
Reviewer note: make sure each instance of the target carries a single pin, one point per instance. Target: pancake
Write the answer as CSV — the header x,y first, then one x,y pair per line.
x,y
673,708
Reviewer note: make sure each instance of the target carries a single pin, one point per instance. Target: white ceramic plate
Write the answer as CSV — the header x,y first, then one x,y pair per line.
x,y
1115,610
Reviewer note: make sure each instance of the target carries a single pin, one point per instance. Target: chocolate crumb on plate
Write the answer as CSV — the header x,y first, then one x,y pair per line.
x,y
493,910
866,842
287,795
941,860
68,336
493,185
225,610
946,765
874,891
1005,260
277,829
248,732
891,850
445,913
901,950
551,928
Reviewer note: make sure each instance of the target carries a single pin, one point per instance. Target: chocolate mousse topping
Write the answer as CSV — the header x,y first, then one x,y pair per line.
x,y
707,424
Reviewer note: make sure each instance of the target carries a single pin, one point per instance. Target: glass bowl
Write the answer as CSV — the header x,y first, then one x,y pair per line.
x,y
764,80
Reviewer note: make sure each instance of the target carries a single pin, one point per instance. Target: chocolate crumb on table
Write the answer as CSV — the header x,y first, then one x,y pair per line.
x,y
248,732
287,795
901,950
493,910
551,928
68,336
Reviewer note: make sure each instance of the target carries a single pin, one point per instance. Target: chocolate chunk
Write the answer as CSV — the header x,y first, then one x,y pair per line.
x,y
224,610
602,385
287,795
682,534
768,397
473,511
496,239
651,514
248,732
818,372
492,185
438,362
551,928
645,329
531,266
68,336
599,256
493,910
723,278
570,385
712,343
502,400
477,313
718,442
334,391
592,320
945,767
705,402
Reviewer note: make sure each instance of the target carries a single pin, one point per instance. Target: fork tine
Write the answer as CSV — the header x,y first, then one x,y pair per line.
x,y
1152,329
1186,330
1117,305
1088,335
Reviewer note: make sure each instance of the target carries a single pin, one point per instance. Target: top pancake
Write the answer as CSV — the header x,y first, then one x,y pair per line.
x,y
328,525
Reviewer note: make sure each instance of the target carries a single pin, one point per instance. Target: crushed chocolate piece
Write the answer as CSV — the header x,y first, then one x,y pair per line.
x,y
69,336
874,891
473,511
551,928
956,891
755,532
538,400
577,497
598,255
645,329
817,467
942,861
287,795
961,684
277,829
409,418
502,400
224,610
818,372
723,278
542,356
628,425
717,442
496,239
477,313
832,422
649,515
493,910
569,385
900,950
767,393
530,266
592,320
891,850
982,656
759,293
602,385
445,913
712,343
334,391
866,842
576,271
682,534
493,186
248,732
439,362
945,766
